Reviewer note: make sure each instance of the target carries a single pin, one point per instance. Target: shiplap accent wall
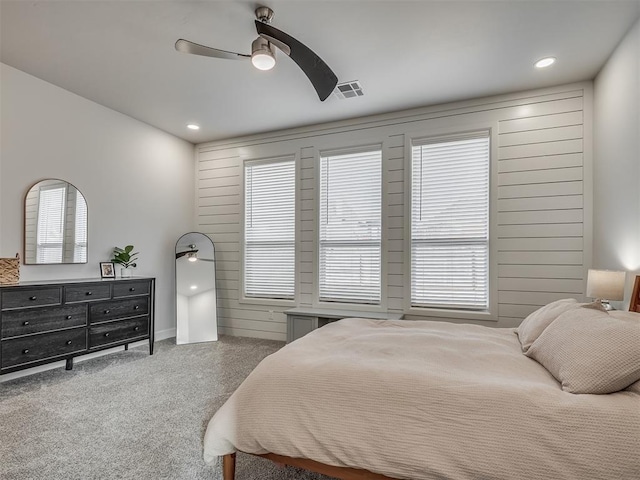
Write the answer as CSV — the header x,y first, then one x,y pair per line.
x,y
541,191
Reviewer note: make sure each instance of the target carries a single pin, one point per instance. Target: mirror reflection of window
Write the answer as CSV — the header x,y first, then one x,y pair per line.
x,y
80,244
50,224
55,224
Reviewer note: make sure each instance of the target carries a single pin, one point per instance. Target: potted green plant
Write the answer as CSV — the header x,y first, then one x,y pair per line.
x,y
125,257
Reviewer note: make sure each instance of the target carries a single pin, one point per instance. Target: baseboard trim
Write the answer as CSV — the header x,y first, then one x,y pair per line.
x,y
164,334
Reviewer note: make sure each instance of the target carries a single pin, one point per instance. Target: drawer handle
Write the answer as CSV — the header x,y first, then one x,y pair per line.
x,y
68,342
135,329
33,298
89,293
25,351
106,312
68,317
26,323
137,307
106,334
132,289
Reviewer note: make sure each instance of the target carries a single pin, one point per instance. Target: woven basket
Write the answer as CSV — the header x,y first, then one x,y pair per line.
x,y
10,270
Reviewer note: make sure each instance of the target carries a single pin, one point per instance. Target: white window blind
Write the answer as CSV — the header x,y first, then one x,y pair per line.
x,y
350,227
450,222
51,216
80,243
269,229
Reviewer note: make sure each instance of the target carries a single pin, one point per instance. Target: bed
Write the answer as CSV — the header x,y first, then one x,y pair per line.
x,y
369,399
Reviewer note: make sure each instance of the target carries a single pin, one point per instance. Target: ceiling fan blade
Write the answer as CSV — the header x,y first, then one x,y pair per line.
x,y
282,46
185,46
321,76
182,254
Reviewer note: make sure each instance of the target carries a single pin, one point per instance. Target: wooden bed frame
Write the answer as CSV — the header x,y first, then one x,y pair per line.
x,y
343,473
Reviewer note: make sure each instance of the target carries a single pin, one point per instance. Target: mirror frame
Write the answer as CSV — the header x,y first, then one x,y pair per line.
x,y
24,224
215,285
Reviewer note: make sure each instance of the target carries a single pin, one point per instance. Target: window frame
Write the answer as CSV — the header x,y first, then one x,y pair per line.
x,y
334,153
269,301
351,145
63,243
85,244
426,133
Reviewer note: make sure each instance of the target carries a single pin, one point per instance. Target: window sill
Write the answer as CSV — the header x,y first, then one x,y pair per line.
x,y
275,302
362,307
482,316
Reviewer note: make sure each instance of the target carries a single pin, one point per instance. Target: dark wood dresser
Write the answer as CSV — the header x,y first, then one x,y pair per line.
x,y
42,322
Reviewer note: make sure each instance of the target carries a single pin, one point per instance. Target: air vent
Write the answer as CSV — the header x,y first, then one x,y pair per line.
x,y
349,90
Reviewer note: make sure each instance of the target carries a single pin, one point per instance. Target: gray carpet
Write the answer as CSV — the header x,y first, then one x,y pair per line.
x,y
129,415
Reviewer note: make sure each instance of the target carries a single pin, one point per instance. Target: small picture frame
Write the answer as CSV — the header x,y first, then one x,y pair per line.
x,y
107,270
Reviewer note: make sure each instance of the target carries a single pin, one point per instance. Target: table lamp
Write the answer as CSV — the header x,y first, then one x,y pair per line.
x,y
605,285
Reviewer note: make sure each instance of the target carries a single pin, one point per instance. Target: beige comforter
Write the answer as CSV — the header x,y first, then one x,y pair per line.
x,y
426,400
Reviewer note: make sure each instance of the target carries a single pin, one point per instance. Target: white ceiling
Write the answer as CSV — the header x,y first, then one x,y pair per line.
x,y
406,54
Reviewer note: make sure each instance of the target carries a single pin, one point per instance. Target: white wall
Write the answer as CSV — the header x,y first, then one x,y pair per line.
x,y
203,325
197,320
617,160
541,202
137,180
182,319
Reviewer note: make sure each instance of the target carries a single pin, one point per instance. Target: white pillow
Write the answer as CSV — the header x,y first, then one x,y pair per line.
x,y
532,326
634,387
624,315
590,351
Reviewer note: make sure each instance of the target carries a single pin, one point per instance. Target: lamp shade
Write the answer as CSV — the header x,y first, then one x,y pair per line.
x,y
606,284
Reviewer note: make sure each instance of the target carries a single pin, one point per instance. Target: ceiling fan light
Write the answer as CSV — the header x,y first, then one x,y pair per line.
x,y
263,54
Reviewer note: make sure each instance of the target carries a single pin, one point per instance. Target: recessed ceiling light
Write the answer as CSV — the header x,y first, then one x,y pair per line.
x,y
545,62
193,126
193,287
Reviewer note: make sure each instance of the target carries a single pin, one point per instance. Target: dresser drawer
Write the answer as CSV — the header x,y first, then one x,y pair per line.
x,y
129,289
44,319
40,347
32,297
89,292
128,307
119,331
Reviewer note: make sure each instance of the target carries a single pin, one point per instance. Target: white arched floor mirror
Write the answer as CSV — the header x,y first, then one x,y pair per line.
x,y
196,301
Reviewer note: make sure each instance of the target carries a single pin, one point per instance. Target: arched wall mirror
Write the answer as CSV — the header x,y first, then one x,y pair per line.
x,y
55,224
196,301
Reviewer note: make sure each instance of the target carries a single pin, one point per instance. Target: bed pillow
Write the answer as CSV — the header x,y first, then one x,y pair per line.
x,y
634,387
624,315
590,351
532,326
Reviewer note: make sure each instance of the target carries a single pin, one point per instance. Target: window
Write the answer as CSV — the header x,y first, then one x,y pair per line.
x,y
450,222
269,229
80,234
51,217
350,227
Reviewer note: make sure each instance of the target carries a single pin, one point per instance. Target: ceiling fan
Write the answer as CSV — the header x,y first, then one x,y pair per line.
x,y
192,255
263,53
